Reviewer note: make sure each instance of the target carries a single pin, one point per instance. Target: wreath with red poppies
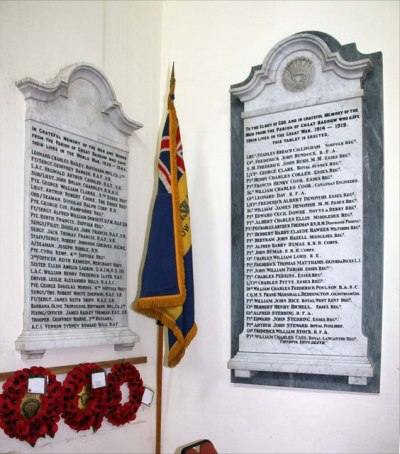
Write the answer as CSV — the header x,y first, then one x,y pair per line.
x,y
27,416
117,413
83,406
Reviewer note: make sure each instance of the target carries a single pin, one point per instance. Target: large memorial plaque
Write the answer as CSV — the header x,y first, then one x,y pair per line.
x,y
75,214
307,217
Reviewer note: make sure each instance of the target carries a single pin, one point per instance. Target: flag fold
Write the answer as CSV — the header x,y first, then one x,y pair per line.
x,y
167,292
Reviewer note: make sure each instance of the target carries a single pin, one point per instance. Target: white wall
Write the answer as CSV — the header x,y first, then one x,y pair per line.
x,y
37,39
213,44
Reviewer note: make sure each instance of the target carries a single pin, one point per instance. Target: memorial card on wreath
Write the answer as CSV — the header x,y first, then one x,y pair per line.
x,y
75,213
307,217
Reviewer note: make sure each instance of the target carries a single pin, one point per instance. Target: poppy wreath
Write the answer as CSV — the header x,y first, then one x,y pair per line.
x,y
117,413
28,416
83,406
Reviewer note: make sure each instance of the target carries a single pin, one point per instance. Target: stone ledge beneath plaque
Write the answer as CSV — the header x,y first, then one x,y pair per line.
x,y
357,368
33,344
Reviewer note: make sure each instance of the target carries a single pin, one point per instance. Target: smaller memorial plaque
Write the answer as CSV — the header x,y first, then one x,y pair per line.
x,y
75,213
306,172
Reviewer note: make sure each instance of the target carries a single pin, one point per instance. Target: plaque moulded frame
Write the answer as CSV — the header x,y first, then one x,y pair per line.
x,y
79,101
249,98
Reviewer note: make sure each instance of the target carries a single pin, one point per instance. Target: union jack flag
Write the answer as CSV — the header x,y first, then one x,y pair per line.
x,y
164,171
167,292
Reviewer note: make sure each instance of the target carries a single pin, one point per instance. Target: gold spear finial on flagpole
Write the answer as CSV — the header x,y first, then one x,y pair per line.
x,y
171,96
172,80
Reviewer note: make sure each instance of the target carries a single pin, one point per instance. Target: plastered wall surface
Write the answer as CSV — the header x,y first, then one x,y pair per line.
x,y
123,40
214,45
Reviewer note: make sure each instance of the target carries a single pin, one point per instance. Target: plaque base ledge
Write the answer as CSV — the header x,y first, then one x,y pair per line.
x,y
357,368
33,343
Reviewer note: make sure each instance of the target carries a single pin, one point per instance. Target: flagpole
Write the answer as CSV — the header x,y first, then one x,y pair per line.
x,y
160,339
159,385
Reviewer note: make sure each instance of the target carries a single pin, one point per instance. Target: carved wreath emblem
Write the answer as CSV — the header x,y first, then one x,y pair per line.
x,y
298,74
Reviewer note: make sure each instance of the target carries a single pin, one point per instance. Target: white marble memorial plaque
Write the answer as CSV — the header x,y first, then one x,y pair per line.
x,y
75,214
303,214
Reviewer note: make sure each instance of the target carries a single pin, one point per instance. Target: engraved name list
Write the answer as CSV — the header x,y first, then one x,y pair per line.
x,y
77,215
303,229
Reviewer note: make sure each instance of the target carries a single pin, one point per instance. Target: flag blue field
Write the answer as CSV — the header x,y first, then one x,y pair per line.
x,y
167,292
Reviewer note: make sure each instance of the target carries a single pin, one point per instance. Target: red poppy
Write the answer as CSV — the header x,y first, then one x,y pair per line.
x,y
16,419
83,406
117,413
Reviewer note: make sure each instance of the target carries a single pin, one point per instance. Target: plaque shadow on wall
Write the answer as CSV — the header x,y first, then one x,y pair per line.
x,y
76,156
307,217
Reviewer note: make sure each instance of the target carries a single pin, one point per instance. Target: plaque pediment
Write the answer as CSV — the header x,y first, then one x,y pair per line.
x,y
292,58
74,82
